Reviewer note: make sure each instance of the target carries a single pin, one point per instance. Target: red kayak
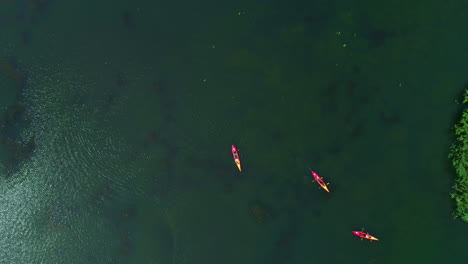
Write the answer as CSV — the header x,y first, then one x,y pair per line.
x,y
319,180
236,157
365,235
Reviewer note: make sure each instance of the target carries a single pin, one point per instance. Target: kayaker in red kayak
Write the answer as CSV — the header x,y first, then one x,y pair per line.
x,y
365,235
319,180
236,157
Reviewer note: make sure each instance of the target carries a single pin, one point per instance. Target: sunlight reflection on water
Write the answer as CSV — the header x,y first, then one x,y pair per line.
x,y
50,210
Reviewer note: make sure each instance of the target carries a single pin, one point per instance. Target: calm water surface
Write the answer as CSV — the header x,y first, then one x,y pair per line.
x,y
117,120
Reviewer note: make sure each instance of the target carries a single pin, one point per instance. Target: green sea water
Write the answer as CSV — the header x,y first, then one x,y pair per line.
x,y
117,119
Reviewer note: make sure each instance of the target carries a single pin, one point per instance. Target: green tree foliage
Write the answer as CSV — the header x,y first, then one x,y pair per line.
x,y
459,157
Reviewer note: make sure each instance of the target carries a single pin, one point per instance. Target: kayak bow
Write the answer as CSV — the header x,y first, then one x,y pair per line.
x,y
319,180
365,235
235,155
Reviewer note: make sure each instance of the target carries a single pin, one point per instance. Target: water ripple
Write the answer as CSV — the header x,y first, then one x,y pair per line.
x,y
53,209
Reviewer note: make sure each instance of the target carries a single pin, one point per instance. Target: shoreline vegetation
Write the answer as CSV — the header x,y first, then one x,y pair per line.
x,y
459,158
